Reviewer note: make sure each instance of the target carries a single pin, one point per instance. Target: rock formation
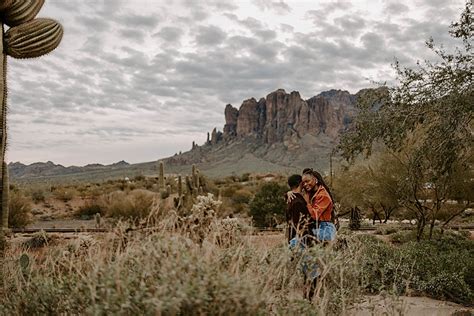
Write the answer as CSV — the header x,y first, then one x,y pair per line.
x,y
282,116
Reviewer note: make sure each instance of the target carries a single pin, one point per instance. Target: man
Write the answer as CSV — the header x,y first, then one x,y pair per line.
x,y
300,223
300,228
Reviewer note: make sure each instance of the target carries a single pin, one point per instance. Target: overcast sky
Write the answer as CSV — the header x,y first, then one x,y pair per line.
x,y
141,79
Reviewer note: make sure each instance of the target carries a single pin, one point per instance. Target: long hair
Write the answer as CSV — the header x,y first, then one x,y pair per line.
x,y
320,179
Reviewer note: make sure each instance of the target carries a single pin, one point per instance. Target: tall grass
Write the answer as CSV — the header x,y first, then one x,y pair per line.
x,y
186,266
195,265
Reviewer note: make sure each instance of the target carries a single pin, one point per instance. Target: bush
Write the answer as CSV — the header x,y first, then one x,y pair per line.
x,y
90,208
238,203
268,205
65,194
19,210
442,269
229,191
38,195
134,205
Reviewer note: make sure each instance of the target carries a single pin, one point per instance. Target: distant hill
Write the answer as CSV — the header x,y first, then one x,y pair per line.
x,y
49,169
278,133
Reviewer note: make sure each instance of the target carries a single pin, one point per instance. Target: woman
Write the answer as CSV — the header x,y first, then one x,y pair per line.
x,y
320,204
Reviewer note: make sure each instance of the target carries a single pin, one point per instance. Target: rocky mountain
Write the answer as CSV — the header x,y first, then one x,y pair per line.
x,y
280,132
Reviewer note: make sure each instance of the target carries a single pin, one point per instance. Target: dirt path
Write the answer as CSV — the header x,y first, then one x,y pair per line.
x,y
409,306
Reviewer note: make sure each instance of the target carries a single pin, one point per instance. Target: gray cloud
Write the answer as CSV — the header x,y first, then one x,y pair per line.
x,y
210,35
136,21
170,33
396,8
280,7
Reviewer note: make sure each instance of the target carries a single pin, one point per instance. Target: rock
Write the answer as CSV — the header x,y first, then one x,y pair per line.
x,y
249,118
283,117
214,136
230,127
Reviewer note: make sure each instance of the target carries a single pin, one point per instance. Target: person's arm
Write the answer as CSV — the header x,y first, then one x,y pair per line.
x,y
320,203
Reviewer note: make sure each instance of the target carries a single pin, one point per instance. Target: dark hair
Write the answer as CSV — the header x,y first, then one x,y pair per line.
x,y
294,181
320,179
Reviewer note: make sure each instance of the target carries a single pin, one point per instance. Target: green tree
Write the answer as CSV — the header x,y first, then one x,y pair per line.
x,y
268,206
371,185
425,122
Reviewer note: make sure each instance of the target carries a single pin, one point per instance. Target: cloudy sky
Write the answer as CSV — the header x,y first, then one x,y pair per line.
x,y
141,79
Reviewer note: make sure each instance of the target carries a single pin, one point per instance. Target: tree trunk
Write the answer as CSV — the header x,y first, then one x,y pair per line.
x,y
432,224
420,227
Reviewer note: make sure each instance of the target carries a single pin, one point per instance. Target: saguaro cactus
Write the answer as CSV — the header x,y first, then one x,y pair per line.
x,y
180,186
195,176
27,37
5,195
162,176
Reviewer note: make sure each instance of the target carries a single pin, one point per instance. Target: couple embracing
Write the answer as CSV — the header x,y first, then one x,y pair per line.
x,y
310,213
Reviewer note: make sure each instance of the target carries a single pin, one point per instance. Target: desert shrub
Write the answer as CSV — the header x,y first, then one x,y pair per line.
x,y
139,178
38,195
229,190
134,205
245,177
38,240
164,194
442,269
90,208
65,194
19,209
268,206
386,230
238,203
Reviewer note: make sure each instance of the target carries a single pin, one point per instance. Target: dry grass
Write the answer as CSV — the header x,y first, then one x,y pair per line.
x,y
193,265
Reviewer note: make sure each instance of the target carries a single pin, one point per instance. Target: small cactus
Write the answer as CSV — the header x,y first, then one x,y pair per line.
x,y
180,186
97,220
162,175
195,176
168,190
25,263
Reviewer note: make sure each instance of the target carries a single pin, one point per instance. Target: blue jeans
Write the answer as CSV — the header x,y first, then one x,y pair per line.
x,y
308,265
325,232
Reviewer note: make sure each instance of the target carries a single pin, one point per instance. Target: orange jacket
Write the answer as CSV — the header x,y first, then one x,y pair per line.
x,y
320,207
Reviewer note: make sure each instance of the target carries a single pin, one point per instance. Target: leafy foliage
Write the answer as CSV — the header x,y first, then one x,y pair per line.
x,y
442,269
268,205
425,122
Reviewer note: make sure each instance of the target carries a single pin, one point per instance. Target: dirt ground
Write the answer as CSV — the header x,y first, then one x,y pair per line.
x,y
408,306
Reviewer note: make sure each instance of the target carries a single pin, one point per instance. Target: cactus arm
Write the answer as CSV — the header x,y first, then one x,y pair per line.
x,y
21,11
4,4
33,39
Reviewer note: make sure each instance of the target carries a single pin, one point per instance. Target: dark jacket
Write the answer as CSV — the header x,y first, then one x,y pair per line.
x,y
298,218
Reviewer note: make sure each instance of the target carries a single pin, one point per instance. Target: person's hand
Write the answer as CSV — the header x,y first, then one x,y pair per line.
x,y
290,196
